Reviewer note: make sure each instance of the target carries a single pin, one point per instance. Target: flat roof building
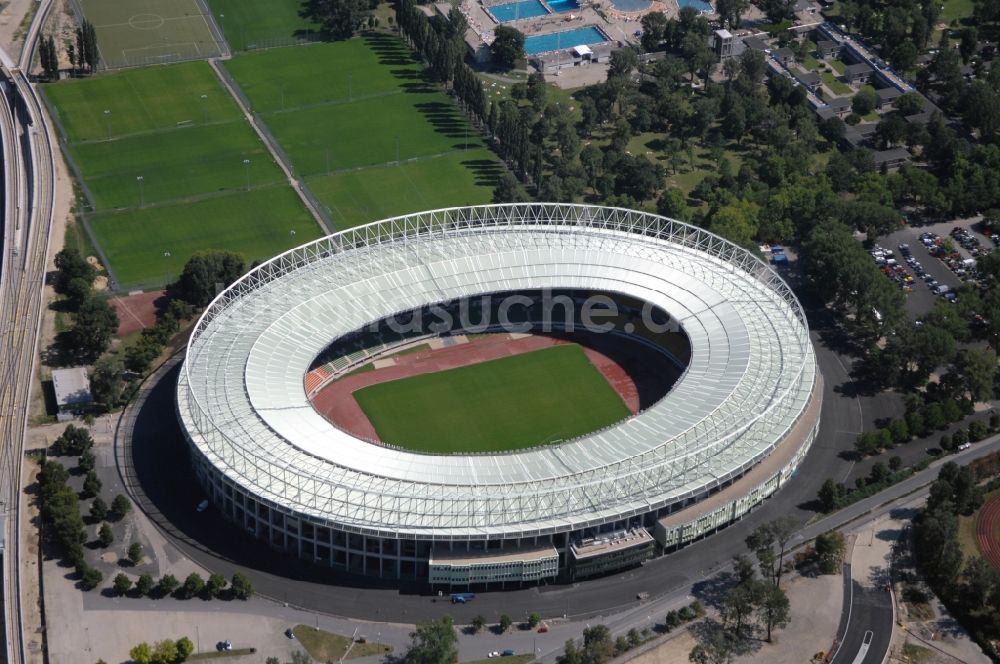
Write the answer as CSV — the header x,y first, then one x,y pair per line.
x,y
72,388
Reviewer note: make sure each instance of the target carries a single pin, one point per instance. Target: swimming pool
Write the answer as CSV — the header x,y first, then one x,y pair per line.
x,y
561,6
700,5
515,11
632,5
551,41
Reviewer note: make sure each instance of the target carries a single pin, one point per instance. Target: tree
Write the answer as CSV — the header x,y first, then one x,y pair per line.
x,y
135,553
49,57
215,585
778,10
910,103
774,608
830,550
193,585
98,509
104,536
122,584
208,272
895,463
505,622
144,585
716,645
241,586
622,63
120,506
339,18
141,654
508,190
864,101
654,26
185,648
87,461
508,47
831,495
168,584
165,652
478,622
90,578
672,203
433,642
731,11
598,645
106,381
96,322
91,485
73,441
71,266
977,367
534,619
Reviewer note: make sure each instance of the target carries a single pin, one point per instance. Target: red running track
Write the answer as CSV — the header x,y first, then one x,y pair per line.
x,y
986,531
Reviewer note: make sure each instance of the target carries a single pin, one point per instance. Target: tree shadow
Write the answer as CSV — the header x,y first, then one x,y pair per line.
x,y
486,171
444,117
390,50
712,591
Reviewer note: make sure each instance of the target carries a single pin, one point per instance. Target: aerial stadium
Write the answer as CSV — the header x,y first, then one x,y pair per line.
x,y
740,413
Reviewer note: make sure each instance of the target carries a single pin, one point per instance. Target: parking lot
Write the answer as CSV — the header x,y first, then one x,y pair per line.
x,y
922,299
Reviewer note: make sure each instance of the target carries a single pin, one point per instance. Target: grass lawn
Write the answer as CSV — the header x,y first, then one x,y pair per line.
x,y
810,63
371,131
329,647
257,23
837,66
836,86
314,74
140,100
192,174
362,102
257,224
956,10
360,196
514,402
174,164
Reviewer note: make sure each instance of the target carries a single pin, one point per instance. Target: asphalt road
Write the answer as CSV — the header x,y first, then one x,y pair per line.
x,y
865,624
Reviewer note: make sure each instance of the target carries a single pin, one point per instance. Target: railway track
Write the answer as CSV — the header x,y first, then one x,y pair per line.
x,y
29,198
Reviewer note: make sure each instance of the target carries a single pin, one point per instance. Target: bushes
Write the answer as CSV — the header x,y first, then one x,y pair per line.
x,y
686,614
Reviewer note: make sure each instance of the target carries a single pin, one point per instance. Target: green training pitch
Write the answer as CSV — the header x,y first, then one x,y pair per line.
x,y
140,100
148,247
511,403
174,164
131,34
363,102
360,196
250,24
286,79
189,152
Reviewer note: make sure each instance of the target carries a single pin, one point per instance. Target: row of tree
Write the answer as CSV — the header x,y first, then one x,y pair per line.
x,y
166,651
194,585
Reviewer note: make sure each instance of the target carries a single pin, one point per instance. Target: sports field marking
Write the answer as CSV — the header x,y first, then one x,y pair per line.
x,y
145,21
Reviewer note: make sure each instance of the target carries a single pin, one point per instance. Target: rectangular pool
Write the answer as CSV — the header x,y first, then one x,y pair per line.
x,y
551,41
700,5
562,6
515,11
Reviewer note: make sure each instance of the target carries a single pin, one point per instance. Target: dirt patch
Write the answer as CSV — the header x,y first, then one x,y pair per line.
x,y
337,404
986,531
136,312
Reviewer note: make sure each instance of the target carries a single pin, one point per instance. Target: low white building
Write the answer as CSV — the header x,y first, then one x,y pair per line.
x,y
72,389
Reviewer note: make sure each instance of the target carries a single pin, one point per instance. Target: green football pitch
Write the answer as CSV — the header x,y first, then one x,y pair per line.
x,y
361,123
131,34
536,398
250,24
177,129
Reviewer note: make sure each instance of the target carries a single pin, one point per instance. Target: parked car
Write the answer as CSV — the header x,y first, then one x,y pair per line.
x,y
202,506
